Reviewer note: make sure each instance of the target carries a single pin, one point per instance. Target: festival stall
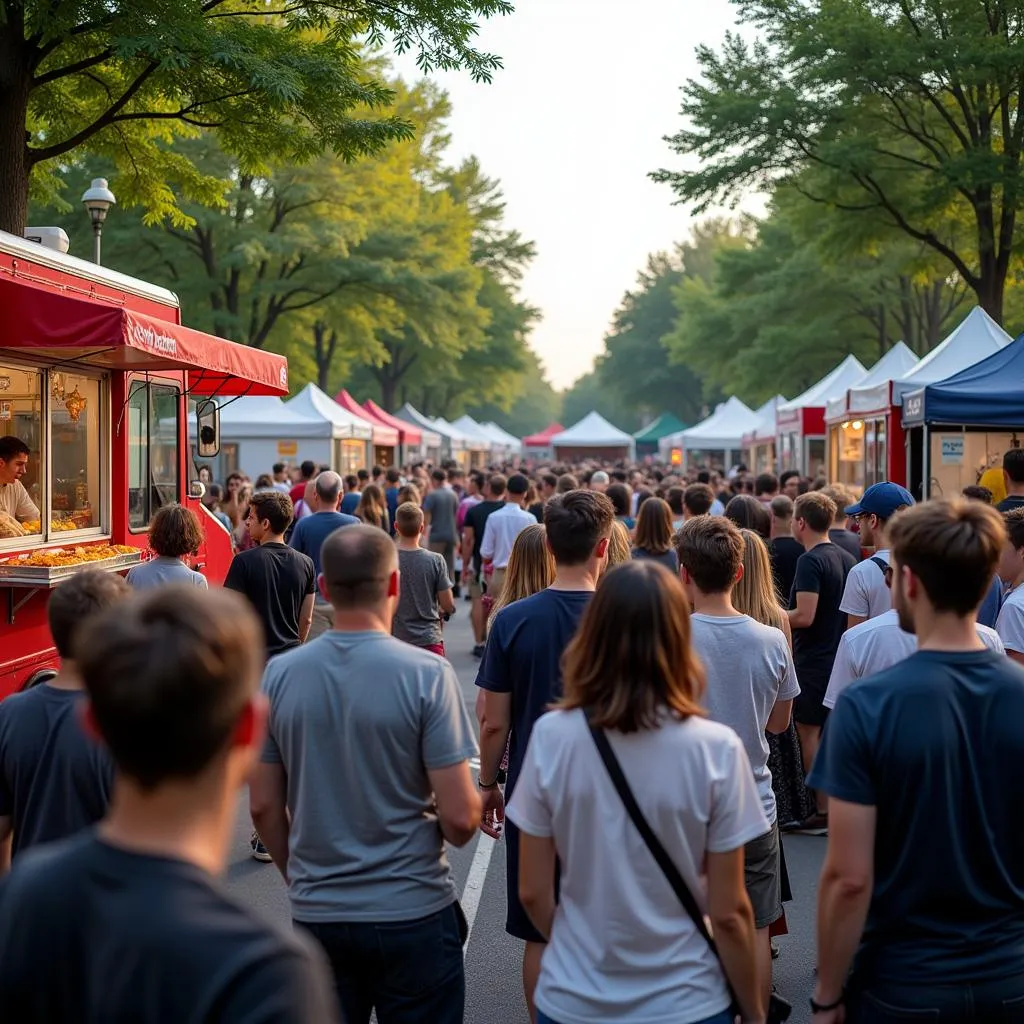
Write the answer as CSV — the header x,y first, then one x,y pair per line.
x,y
509,442
479,443
384,436
538,446
864,447
436,445
416,442
759,443
717,440
647,438
593,437
351,435
968,421
800,423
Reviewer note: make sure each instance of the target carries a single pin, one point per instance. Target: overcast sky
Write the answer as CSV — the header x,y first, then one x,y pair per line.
x,y
572,126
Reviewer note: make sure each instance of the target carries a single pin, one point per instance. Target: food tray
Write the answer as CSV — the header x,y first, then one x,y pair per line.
x,y
43,575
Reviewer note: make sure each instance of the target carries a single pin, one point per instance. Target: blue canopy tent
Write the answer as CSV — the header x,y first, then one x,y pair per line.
x,y
962,425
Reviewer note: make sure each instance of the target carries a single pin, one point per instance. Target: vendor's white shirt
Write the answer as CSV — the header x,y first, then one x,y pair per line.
x,y
14,500
1010,624
622,947
866,593
500,532
878,644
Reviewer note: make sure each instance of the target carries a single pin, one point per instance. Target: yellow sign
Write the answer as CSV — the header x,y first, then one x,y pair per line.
x,y
677,457
287,447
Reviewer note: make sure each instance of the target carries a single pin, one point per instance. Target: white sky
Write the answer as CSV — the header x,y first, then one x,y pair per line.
x,y
572,126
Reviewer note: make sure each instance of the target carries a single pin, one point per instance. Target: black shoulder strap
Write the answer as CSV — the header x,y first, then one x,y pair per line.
x,y
669,870
881,563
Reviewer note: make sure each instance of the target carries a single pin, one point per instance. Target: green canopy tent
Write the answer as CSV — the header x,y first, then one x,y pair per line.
x,y
647,438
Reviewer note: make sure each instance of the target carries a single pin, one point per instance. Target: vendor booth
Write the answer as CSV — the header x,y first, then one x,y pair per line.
x,y
715,441
864,447
351,435
384,437
479,443
647,438
967,421
759,443
436,446
538,446
593,437
410,437
800,423
509,443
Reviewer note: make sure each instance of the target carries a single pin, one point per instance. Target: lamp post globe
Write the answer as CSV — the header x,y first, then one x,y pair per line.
x,y
98,199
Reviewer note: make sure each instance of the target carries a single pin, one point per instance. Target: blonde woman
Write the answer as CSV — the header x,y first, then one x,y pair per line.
x,y
620,546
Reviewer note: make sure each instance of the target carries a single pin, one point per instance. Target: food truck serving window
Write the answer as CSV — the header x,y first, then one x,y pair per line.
x,y
76,452
152,450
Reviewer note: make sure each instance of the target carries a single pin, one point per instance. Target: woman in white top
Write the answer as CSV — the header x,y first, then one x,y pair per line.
x,y
621,946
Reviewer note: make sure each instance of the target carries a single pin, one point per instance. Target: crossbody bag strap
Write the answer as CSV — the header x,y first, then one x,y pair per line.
x,y
660,854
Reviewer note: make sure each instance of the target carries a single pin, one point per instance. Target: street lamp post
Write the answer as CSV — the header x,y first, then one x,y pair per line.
x,y
97,200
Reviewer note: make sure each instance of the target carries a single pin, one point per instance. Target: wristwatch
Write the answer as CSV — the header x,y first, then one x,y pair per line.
x,y
817,1007
486,786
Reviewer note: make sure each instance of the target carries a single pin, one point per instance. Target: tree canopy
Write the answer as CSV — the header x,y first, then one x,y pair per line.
x,y
278,80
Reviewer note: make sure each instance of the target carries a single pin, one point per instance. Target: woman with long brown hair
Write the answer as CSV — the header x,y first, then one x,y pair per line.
x,y
621,946
372,508
654,534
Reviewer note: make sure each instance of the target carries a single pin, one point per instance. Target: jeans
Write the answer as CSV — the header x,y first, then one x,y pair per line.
x,y
988,1002
725,1017
411,972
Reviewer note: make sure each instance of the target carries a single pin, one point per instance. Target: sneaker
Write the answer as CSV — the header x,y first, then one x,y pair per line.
x,y
258,850
815,825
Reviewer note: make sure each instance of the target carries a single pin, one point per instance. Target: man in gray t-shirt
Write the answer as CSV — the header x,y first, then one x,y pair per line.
x,y
425,591
440,508
364,775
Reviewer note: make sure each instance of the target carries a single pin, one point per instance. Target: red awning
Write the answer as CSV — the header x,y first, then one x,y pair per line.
x,y
543,439
383,433
62,329
408,432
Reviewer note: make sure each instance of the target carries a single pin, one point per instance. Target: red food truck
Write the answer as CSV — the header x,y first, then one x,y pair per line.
x,y
97,375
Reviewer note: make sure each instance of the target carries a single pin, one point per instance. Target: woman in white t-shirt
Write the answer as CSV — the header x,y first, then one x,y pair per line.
x,y
621,946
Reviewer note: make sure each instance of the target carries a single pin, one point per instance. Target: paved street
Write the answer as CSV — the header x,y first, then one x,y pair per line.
x,y
494,991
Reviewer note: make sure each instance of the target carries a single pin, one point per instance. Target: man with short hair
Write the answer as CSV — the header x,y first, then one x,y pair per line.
x,y
766,487
440,507
789,484
353,495
280,474
54,781
472,560
817,623
750,686
306,473
502,528
785,550
566,483
547,490
142,930
1013,474
599,481
364,775
426,591
393,479
698,500
14,498
1010,623
838,533
310,533
925,861
521,676
867,594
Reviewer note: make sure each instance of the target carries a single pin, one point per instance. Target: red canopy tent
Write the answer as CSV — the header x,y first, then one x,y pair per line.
x,y
408,433
384,434
543,438
65,330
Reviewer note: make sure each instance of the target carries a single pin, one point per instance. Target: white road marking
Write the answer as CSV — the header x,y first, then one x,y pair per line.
x,y
474,887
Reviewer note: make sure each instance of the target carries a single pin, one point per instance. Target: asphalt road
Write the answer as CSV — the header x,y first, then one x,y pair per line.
x,y
493,959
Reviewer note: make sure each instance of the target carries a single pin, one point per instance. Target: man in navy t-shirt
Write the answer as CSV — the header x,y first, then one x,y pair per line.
x,y
310,533
521,675
921,764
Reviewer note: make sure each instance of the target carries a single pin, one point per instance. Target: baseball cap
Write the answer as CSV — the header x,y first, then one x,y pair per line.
x,y
881,500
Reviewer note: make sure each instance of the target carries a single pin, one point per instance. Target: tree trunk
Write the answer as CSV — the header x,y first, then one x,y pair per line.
x,y
388,387
991,287
15,85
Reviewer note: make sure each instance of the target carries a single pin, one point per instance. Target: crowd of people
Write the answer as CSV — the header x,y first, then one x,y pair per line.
x,y
675,670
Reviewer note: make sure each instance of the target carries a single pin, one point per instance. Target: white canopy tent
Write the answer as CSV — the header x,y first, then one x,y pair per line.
x,y
897,362
502,436
977,337
722,431
593,432
316,404
847,374
431,442
476,437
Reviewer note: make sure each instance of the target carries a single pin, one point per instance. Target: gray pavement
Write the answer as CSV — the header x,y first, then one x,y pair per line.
x,y
493,959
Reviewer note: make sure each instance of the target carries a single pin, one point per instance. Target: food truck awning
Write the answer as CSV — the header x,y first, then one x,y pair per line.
x,y
63,329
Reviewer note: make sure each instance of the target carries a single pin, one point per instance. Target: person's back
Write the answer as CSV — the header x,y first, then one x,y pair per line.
x,y
54,779
426,591
785,552
160,571
174,533
668,558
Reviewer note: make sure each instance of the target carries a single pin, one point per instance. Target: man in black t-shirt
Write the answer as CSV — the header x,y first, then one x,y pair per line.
x,y
279,581
131,911
472,561
785,549
817,622
54,780
548,489
1013,474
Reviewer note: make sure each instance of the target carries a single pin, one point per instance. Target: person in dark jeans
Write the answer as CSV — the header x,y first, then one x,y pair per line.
x,y
358,789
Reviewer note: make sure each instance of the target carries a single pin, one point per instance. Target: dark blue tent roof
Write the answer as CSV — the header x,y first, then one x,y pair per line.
x,y
987,394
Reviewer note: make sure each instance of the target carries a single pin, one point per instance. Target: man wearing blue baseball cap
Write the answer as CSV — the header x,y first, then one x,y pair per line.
x,y
866,594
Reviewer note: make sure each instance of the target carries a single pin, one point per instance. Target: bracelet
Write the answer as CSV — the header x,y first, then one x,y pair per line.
x,y
486,785
817,1007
